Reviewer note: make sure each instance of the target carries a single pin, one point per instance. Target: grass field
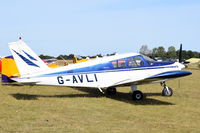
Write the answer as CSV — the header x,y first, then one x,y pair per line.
x,y
44,109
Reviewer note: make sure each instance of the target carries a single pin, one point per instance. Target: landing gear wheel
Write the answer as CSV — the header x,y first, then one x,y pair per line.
x,y
111,91
167,91
137,95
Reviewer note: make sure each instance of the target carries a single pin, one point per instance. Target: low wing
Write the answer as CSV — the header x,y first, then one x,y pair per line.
x,y
153,79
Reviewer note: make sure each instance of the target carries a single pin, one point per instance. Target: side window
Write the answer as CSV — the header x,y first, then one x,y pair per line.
x,y
135,62
139,61
114,63
119,63
132,62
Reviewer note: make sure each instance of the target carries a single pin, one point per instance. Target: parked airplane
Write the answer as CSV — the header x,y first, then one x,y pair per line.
x,y
0,65
129,69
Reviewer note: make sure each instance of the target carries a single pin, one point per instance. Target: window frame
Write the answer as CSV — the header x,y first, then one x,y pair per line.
x,y
116,65
136,63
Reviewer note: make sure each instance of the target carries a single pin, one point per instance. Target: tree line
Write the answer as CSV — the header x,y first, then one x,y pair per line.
x,y
170,53
71,56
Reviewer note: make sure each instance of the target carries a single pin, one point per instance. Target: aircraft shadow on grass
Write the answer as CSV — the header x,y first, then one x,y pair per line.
x,y
93,93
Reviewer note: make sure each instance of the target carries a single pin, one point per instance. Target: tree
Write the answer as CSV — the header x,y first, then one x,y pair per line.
x,y
155,52
46,56
66,57
184,54
196,54
144,50
161,51
111,54
190,54
171,53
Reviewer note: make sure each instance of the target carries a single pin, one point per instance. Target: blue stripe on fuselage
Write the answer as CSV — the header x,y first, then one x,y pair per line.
x,y
171,74
108,67
90,70
157,63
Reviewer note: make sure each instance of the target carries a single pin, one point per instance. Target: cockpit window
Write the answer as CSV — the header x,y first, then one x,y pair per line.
x,y
135,62
132,62
149,60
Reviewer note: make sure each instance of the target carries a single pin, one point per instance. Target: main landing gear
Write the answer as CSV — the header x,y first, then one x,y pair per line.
x,y
167,91
136,94
111,91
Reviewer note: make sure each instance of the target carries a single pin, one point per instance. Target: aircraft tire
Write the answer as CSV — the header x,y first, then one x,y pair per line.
x,y
137,95
111,91
167,93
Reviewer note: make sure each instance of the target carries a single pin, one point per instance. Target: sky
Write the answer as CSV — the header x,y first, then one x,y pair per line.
x,y
90,27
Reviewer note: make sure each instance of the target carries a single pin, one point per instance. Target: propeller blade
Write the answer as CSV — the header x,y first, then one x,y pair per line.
x,y
180,54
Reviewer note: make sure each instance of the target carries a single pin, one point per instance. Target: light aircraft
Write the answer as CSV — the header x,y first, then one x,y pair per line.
x,y
78,59
129,69
0,65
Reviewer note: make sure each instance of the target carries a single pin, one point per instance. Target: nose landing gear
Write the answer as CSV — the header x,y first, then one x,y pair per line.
x,y
167,91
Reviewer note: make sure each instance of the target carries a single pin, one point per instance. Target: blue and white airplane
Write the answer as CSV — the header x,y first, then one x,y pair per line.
x,y
129,69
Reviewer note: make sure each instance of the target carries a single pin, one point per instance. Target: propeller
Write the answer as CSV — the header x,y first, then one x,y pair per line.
x,y
181,60
180,54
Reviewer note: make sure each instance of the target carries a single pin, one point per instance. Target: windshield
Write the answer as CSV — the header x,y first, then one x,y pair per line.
x,y
149,60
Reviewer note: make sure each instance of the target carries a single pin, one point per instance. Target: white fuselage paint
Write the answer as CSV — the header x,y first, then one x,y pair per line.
x,y
97,79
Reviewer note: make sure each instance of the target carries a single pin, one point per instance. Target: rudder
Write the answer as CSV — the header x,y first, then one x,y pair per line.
x,y
26,60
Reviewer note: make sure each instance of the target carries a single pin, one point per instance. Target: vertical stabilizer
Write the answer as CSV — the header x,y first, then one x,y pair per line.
x,y
9,69
26,60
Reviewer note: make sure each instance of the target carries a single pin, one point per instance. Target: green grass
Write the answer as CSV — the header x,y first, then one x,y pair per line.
x,y
44,109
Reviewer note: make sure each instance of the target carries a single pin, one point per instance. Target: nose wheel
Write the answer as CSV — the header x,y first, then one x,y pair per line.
x,y
167,91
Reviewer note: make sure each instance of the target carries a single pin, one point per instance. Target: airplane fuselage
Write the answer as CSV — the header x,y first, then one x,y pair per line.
x,y
119,70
